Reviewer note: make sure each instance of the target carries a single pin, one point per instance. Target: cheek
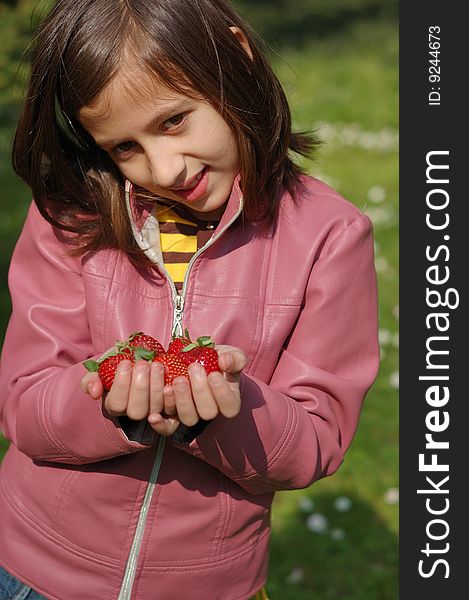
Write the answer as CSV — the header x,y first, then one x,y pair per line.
x,y
227,147
135,172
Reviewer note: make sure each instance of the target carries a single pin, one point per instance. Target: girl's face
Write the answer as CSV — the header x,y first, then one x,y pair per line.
x,y
167,143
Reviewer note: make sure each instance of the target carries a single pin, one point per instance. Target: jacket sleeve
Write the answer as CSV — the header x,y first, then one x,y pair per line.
x,y
297,428
42,408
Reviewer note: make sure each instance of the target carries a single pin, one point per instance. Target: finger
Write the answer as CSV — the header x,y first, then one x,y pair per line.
x,y
185,406
204,401
156,388
163,425
232,361
169,401
86,380
91,384
228,400
116,400
139,396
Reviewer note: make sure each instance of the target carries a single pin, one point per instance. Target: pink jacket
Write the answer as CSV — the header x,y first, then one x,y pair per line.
x,y
92,508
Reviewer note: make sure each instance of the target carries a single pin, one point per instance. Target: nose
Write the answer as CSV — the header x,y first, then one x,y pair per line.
x,y
167,166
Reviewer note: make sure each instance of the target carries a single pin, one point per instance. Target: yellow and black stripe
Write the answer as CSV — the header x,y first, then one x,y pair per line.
x,y
181,235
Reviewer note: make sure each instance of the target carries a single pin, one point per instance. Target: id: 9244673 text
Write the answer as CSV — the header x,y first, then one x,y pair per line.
x,y
434,74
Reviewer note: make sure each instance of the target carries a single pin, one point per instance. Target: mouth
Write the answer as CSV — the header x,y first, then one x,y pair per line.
x,y
198,189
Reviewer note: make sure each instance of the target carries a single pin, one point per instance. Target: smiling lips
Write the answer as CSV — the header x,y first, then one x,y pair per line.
x,y
198,190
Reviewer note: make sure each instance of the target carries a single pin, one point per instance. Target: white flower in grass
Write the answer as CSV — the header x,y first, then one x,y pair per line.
x,y
296,576
337,534
384,337
376,194
382,265
394,380
342,504
380,215
352,134
367,140
317,523
391,496
306,504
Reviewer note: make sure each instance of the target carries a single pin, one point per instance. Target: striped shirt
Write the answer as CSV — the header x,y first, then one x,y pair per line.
x,y
181,235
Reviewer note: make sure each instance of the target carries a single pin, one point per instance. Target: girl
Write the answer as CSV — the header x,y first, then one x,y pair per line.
x,y
144,117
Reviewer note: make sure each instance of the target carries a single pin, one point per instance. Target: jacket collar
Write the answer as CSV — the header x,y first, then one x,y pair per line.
x,y
145,227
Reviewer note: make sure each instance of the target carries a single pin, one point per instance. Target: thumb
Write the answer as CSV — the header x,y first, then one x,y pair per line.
x,y
91,384
232,361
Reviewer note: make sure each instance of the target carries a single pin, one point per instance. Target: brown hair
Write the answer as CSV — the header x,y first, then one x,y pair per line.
x,y
77,52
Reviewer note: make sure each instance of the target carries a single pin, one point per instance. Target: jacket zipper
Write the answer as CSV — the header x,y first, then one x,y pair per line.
x,y
131,566
125,592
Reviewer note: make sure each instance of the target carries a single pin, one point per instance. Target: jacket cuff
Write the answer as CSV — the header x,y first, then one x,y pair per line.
x,y
185,435
137,431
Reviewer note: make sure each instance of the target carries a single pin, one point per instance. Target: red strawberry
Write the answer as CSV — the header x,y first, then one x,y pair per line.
x,y
202,352
142,340
178,343
173,367
207,357
106,367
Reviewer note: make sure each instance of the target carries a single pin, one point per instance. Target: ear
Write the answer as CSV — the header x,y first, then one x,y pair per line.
x,y
242,39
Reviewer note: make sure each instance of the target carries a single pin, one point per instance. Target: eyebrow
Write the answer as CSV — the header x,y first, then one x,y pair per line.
x,y
166,112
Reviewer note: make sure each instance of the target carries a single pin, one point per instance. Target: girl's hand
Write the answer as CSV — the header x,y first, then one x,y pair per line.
x,y
205,396
137,391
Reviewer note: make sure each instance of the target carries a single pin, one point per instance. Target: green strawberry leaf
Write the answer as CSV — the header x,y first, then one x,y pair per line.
x,y
143,353
91,365
190,347
205,341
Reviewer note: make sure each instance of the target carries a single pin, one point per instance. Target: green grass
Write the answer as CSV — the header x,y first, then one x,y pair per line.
x,y
345,86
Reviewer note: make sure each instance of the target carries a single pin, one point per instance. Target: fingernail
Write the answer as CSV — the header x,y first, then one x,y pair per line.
x,y
125,366
153,418
89,388
216,378
142,367
180,383
228,361
157,367
195,369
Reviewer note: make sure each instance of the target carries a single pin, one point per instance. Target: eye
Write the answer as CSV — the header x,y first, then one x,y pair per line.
x,y
122,149
174,122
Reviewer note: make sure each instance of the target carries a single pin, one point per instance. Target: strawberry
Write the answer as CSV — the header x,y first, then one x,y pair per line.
x,y
202,352
173,367
107,365
142,340
178,343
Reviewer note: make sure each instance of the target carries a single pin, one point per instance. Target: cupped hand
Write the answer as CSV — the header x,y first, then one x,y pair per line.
x,y
139,392
203,396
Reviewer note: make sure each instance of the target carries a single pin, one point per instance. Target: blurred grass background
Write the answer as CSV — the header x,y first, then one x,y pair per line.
x,y
338,61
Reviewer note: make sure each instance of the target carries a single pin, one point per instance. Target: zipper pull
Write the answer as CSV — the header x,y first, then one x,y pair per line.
x,y
177,321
